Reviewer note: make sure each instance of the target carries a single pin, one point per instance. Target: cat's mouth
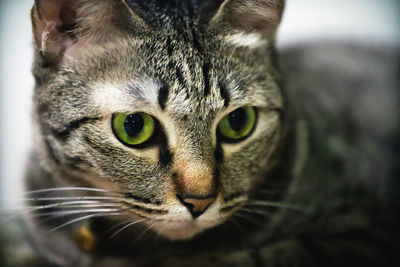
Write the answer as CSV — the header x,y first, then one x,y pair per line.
x,y
184,229
180,221
179,224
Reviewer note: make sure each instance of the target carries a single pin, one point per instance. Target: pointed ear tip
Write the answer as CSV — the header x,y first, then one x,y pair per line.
x,y
34,11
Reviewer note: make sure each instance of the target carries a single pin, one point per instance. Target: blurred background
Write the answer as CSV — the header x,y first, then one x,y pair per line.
x,y
372,22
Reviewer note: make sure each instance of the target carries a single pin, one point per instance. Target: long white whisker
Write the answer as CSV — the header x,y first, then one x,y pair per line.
x,y
164,224
248,218
255,210
67,203
60,204
69,212
126,226
142,235
117,225
273,204
66,189
94,205
84,218
71,198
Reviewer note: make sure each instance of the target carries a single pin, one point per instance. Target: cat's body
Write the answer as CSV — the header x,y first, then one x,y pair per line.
x,y
298,189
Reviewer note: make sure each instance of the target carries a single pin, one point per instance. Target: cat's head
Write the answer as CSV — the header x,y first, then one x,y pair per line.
x,y
176,106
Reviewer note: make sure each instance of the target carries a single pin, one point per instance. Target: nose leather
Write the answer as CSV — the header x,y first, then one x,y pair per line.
x,y
196,205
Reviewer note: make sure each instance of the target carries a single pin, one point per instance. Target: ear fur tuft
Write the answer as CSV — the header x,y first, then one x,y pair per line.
x,y
260,16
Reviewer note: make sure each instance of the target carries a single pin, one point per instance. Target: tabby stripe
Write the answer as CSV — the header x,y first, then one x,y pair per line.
x,y
96,147
147,210
163,96
144,200
196,43
74,161
218,153
230,207
172,64
50,151
233,196
206,79
180,76
70,127
224,93
165,156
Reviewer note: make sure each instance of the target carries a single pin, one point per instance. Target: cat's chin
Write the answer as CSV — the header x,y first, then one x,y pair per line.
x,y
184,230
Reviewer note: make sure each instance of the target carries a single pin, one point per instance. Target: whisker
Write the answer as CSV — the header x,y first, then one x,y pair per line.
x,y
256,211
62,204
94,205
71,198
142,235
51,205
116,226
56,189
126,226
69,212
248,218
165,220
35,208
84,218
268,192
164,224
48,216
274,204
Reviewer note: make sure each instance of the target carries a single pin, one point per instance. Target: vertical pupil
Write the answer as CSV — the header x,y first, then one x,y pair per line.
x,y
133,124
237,119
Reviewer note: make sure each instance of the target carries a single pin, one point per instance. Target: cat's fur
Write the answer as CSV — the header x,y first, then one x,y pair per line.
x,y
302,190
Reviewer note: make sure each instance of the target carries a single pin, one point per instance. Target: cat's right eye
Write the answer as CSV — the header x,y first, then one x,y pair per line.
x,y
133,129
238,124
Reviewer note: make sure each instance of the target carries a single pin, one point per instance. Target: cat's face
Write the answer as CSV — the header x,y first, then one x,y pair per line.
x,y
181,125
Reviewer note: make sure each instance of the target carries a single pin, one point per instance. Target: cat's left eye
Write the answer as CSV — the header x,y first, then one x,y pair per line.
x,y
238,124
133,129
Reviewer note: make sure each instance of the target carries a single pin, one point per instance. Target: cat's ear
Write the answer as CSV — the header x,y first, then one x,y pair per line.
x,y
61,25
251,16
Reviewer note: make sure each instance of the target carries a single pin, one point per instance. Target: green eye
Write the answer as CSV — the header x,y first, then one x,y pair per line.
x,y
238,124
133,129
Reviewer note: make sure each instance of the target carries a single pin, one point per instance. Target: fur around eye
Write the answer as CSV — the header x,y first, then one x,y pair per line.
x,y
133,129
237,125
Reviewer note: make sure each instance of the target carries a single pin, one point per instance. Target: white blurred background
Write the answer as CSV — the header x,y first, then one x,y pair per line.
x,y
367,21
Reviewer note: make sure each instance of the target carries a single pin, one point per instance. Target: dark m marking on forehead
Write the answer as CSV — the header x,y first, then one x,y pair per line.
x,y
172,65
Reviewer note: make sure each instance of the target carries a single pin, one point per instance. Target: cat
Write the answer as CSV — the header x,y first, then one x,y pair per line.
x,y
165,137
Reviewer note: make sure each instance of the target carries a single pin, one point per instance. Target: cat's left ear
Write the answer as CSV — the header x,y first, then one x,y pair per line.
x,y
250,17
61,26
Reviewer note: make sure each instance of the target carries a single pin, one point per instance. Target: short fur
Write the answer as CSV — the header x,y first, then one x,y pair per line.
x,y
285,196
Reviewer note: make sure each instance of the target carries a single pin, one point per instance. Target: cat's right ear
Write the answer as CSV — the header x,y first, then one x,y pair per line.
x,y
60,26
249,18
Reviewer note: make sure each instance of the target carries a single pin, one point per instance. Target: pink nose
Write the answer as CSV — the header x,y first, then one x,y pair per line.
x,y
196,205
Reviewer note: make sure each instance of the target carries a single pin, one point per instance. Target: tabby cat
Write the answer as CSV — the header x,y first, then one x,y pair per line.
x,y
164,137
